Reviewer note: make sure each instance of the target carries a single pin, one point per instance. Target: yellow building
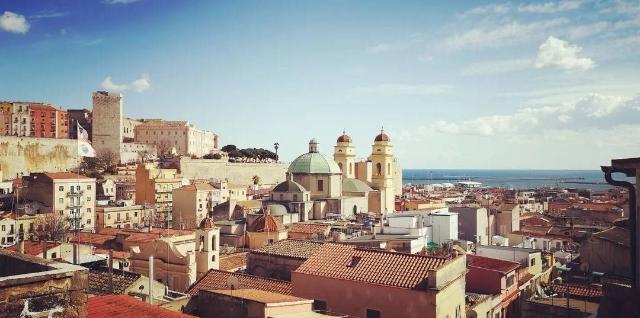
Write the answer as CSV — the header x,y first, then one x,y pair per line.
x,y
192,203
154,187
125,217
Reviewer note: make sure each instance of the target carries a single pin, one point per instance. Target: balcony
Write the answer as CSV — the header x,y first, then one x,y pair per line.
x,y
73,205
75,194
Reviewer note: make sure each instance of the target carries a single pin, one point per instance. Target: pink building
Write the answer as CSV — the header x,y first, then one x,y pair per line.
x,y
494,277
361,282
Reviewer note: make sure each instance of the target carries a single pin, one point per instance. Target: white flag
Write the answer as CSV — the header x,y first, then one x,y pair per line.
x,y
84,146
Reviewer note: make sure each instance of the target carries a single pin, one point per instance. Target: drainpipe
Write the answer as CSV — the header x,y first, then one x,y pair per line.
x,y
632,215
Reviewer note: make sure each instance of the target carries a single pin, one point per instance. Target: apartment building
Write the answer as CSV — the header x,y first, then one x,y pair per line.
x,y
154,187
192,203
69,194
122,216
179,136
48,121
20,119
5,119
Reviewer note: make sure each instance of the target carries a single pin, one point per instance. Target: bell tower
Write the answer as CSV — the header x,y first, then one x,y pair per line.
x,y
207,247
344,155
382,166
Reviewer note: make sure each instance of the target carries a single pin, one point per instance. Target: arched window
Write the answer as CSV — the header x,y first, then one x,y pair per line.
x,y
340,165
355,209
378,169
388,168
201,242
213,243
295,198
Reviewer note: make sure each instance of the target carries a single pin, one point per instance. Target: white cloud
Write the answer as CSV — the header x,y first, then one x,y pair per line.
x,y
14,23
142,84
586,30
594,111
492,8
48,15
563,55
550,7
396,89
139,85
500,35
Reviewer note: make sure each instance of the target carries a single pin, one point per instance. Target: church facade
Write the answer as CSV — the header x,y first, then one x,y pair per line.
x,y
318,187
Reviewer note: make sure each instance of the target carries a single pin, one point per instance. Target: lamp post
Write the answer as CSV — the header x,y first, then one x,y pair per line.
x,y
276,145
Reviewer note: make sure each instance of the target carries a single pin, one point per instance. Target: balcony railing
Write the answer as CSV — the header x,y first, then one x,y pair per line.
x,y
75,204
75,194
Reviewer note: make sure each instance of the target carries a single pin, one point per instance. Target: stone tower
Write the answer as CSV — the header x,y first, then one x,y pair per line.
x,y
107,123
207,247
382,176
344,155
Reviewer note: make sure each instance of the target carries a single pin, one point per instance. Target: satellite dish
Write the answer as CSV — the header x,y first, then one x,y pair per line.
x,y
232,282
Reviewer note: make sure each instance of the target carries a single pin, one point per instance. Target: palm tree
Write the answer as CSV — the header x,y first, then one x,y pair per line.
x,y
256,182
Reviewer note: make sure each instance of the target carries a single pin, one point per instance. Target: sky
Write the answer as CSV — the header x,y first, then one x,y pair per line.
x,y
478,85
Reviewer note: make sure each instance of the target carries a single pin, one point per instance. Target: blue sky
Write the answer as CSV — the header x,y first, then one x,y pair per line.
x,y
456,85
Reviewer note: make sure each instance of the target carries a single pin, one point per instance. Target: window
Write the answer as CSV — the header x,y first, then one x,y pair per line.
x,y
89,221
61,200
340,166
320,185
54,255
510,280
378,169
295,198
88,199
319,305
372,313
61,188
88,187
88,210
4,228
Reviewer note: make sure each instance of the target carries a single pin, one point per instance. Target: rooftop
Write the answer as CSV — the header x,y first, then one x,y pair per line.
x,y
290,248
257,295
491,264
308,228
216,280
234,261
347,262
34,248
123,306
616,234
102,283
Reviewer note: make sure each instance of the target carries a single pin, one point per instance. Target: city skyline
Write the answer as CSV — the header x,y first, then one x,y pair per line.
x,y
511,85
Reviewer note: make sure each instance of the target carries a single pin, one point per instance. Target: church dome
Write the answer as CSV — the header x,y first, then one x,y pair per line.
x,y
274,209
289,186
344,137
266,223
207,223
355,185
314,162
382,137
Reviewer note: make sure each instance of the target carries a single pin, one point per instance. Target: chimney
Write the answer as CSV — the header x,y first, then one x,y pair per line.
x,y
44,249
151,279
21,246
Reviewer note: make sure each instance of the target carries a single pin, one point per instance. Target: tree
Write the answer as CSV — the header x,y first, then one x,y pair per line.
x,y
256,180
51,227
229,148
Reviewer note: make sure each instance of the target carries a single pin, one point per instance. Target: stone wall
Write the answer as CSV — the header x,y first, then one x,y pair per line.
x,y
24,155
237,173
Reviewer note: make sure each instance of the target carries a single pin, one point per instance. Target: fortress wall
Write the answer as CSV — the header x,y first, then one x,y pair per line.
x,y
237,173
24,155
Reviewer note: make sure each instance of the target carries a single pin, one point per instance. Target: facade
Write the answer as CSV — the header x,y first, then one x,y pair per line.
x,y
68,194
382,161
107,123
494,277
347,280
179,136
507,219
48,121
473,224
192,203
607,252
531,259
154,187
122,217
252,303
5,119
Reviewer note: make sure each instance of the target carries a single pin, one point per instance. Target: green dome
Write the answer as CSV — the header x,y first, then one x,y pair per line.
x,y
289,186
354,185
314,162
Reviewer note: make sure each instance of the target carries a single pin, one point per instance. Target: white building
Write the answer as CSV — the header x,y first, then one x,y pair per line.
x,y
179,136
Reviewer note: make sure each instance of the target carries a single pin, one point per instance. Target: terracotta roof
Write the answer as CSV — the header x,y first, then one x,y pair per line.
x,y
344,138
34,248
100,282
382,137
577,290
290,248
348,262
233,262
216,280
91,238
308,228
491,264
123,306
116,254
257,295
266,223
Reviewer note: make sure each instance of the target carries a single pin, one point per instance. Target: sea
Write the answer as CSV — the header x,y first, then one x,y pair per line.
x,y
512,179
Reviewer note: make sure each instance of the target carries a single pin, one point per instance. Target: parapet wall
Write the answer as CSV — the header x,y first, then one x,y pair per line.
x,y
24,155
236,173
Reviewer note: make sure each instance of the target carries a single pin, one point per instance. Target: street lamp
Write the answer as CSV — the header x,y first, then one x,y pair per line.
x,y
276,146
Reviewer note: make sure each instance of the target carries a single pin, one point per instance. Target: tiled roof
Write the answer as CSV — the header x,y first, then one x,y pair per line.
x,y
491,263
233,262
123,306
91,238
100,282
308,228
577,290
215,280
257,295
347,262
290,248
116,254
65,175
266,223
34,248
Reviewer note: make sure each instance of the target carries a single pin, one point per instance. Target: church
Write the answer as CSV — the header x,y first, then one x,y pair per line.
x,y
318,187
